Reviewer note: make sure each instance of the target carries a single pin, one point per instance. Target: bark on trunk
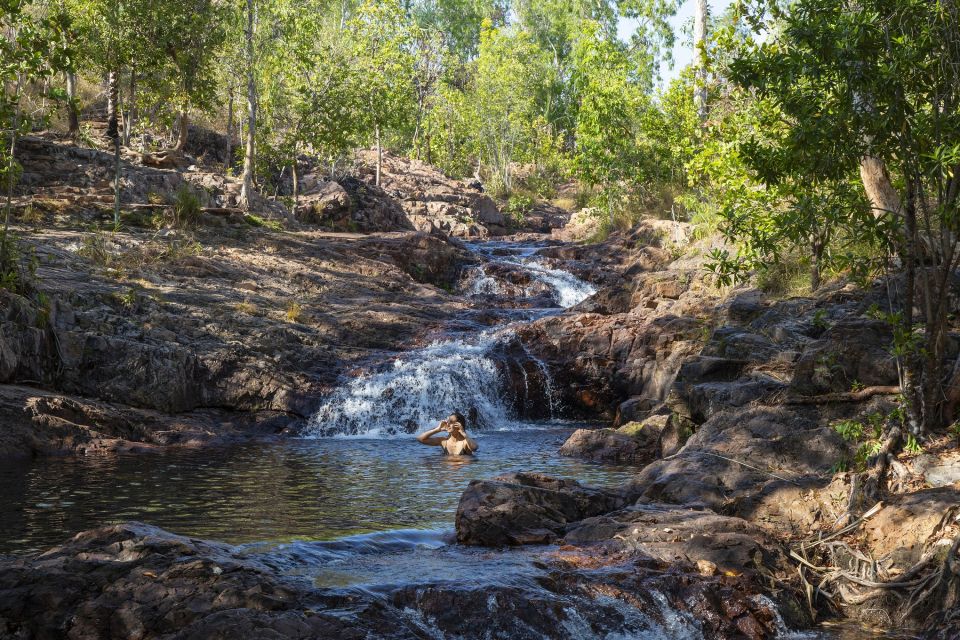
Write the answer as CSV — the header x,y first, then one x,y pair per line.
x,y
131,110
700,58
13,147
248,156
379,155
816,259
113,132
880,190
73,114
229,161
912,369
183,132
296,181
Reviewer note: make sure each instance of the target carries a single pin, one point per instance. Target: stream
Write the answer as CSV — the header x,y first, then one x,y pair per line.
x,y
356,505
356,470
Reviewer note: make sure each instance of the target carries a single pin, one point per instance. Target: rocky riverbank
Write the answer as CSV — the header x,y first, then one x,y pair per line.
x,y
749,419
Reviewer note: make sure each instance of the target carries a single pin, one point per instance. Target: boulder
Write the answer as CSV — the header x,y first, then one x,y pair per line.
x,y
527,508
852,351
738,452
608,445
327,202
634,442
485,211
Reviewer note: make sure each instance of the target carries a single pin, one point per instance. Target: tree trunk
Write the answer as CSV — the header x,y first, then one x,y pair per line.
x,y
416,129
184,131
113,132
379,154
131,109
880,191
296,180
817,248
9,177
248,156
73,114
912,368
700,58
229,161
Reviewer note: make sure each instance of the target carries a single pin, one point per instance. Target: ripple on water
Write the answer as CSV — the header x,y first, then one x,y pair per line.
x,y
272,492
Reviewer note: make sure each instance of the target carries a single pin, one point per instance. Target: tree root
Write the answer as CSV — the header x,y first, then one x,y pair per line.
x,y
167,159
846,396
851,579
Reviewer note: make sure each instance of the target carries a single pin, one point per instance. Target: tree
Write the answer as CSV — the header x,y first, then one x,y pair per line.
x,y
607,150
879,81
700,57
187,32
382,41
249,156
32,48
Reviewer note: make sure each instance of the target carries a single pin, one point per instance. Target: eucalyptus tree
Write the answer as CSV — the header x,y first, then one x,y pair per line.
x,y
381,37
879,80
608,149
32,48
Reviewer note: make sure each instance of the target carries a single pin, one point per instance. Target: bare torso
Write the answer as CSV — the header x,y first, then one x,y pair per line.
x,y
457,443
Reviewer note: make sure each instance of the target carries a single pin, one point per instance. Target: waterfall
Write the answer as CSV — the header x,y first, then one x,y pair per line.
x,y
469,373
418,390
565,289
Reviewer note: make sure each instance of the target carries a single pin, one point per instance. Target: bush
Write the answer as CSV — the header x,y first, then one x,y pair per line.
x,y
517,207
186,207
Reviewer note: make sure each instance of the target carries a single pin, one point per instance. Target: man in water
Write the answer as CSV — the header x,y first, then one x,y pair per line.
x,y
456,442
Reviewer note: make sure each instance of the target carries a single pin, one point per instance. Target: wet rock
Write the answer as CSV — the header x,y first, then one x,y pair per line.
x,y
634,442
134,580
526,508
42,423
137,581
680,534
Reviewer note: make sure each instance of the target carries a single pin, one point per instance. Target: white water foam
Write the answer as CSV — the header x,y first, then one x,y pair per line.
x,y
566,289
419,389
424,386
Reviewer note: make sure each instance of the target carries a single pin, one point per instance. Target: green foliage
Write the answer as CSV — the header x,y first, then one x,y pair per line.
x,y
517,207
18,267
186,207
257,221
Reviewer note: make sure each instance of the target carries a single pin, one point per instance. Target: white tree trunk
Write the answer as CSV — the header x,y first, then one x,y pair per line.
x,y
72,114
379,155
700,58
249,155
113,132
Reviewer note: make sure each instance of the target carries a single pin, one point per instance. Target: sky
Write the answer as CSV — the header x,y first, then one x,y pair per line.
x,y
683,49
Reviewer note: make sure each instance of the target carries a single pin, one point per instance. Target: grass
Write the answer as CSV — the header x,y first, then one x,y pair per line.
x,y
257,221
246,307
294,312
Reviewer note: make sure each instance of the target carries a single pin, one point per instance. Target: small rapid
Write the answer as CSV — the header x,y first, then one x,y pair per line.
x,y
470,372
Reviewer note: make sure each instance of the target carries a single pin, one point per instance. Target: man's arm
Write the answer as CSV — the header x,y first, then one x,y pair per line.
x,y
425,437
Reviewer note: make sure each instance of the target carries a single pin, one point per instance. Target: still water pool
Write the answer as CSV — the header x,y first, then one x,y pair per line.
x,y
273,492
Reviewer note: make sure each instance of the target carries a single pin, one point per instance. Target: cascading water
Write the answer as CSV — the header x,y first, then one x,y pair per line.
x,y
465,373
419,388
565,289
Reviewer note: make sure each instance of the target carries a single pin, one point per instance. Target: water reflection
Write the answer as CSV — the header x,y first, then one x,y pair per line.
x,y
275,492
